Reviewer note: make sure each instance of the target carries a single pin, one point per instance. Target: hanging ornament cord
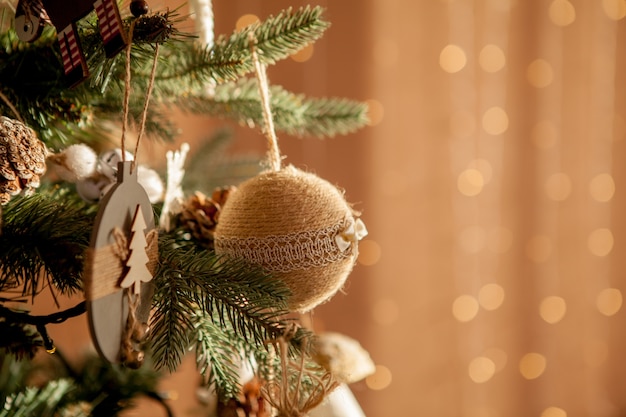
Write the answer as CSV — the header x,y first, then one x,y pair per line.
x,y
11,107
131,355
274,157
127,88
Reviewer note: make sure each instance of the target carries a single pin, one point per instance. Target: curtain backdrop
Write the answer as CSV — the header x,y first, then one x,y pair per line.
x,y
491,181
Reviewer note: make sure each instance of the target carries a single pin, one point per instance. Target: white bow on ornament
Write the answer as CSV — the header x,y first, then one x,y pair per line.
x,y
352,234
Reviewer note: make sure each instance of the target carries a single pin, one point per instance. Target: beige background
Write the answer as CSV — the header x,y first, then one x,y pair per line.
x,y
491,183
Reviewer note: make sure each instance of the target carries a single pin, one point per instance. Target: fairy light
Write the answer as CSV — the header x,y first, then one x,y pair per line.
x,y
495,121
609,301
602,188
540,73
558,186
246,20
481,369
553,412
492,58
600,242
614,9
532,365
562,12
552,309
304,54
491,296
452,58
369,252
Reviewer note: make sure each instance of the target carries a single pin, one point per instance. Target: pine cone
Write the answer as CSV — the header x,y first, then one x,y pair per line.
x,y
22,159
200,214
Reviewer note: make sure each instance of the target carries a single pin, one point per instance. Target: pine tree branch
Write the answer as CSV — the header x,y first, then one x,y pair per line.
x,y
233,294
293,114
277,38
37,401
43,241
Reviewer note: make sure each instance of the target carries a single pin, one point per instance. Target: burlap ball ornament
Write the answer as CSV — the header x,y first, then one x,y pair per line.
x,y
296,226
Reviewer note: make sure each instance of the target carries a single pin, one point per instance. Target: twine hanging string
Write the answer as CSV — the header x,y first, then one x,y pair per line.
x,y
11,107
127,88
274,157
130,355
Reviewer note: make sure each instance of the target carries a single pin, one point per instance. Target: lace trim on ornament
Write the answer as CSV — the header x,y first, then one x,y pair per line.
x,y
286,253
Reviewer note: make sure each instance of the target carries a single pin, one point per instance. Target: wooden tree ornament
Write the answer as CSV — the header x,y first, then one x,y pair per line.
x,y
123,254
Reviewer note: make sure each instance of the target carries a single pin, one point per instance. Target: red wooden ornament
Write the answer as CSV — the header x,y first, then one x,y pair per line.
x,y
30,17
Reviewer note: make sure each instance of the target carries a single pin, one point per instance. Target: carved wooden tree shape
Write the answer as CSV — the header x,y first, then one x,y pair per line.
x,y
136,265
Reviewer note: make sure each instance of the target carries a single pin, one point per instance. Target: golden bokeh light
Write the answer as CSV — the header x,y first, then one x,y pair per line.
x,y
481,369
600,242
498,356
472,239
491,296
539,248
452,58
602,187
484,167
539,73
499,240
492,58
495,121
609,301
246,20
614,9
304,54
562,12
544,134
385,311
553,412
532,365
558,186
369,252
380,379
375,111
470,182
465,308
552,309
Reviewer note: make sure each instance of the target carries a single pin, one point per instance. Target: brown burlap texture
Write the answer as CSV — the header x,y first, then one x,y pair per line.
x,y
286,221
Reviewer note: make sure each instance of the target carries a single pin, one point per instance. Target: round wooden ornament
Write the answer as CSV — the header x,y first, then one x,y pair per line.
x,y
120,263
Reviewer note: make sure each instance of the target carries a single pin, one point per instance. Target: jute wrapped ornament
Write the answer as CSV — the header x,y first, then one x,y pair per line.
x,y
296,226
293,224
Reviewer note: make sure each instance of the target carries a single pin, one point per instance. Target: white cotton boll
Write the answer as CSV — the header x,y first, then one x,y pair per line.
x,y
75,163
343,356
92,189
107,162
151,182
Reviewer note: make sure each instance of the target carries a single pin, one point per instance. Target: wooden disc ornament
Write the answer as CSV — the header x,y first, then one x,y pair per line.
x,y
121,260
123,255
294,224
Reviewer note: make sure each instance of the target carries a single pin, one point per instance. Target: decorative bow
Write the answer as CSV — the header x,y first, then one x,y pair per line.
x,y
352,234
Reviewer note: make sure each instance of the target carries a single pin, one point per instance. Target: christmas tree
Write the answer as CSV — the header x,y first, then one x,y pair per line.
x,y
221,274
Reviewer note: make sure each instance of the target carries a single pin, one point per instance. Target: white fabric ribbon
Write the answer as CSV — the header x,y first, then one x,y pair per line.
x,y
352,234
